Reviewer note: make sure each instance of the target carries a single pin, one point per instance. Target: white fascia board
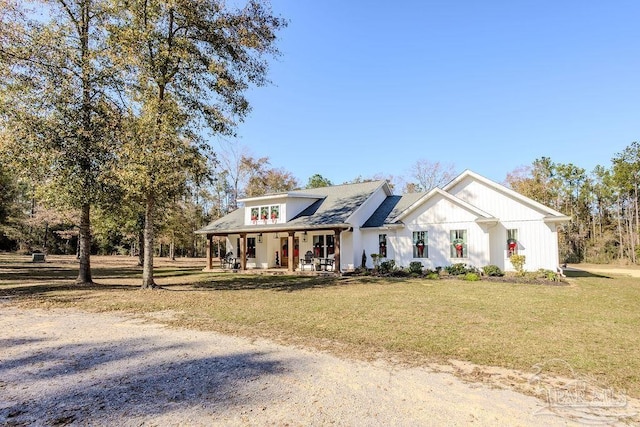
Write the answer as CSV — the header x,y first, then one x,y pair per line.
x,y
557,219
280,196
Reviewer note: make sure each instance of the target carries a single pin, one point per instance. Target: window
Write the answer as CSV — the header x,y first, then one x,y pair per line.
x,y
458,243
420,244
382,245
264,212
275,212
251,247
323,245
318,246
512,242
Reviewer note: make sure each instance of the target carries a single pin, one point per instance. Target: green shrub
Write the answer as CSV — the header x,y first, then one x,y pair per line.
x,y
400,272
548,275
456,269
415,267
472,277
492,270
518,262
387,267
432,275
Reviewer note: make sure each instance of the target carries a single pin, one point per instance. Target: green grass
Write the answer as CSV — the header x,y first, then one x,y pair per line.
x,y
592,322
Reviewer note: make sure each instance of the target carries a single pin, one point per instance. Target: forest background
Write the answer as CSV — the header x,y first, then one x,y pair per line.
x,y
107,107
602,203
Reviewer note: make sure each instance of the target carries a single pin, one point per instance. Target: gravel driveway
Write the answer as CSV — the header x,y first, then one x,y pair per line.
x,y
66,367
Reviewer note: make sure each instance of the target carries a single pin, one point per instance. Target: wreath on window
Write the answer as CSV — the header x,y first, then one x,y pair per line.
x,y
458,244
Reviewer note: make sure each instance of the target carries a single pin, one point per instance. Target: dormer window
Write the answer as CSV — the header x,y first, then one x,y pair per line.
x,y
267,214
275,213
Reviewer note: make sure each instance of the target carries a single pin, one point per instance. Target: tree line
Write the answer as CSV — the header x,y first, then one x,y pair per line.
x,y
602,203
104,103
106,107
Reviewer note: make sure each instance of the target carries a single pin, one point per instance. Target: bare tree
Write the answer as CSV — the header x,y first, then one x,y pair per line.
x,y
426,175
232,159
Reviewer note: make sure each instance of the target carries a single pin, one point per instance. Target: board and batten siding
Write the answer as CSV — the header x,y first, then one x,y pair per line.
x,y
537,241
497,203
439,216
351,253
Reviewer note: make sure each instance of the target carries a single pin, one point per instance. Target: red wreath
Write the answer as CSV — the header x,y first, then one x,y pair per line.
x,y
459,249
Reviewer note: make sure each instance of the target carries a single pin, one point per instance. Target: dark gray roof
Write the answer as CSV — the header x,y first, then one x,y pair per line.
x,y
391,208
333,207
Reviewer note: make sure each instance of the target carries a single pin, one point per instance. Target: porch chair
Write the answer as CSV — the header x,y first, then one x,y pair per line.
x,y
229,261
307,261
331,262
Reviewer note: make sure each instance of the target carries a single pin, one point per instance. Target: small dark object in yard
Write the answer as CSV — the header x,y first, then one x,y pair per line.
x,y
37,257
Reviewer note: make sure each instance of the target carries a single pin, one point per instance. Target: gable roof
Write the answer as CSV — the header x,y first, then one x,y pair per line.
x,y
395,208
334,207
438,192
550,214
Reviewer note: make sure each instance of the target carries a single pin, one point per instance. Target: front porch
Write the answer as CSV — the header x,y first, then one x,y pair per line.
x,y
276,251
276,272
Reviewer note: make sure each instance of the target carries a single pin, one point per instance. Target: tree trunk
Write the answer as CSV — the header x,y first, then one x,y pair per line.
x,y
44,239
84,255
141,248
621,245
84,273
147,268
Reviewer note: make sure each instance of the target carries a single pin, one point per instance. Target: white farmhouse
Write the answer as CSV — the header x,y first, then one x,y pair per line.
x,y
472,220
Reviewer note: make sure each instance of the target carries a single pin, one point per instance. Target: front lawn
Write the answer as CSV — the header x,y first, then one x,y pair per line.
x,y
592,322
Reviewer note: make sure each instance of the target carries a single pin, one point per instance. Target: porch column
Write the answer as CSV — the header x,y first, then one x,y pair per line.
x,y
336,250
290,243
221,254
243,251
209,254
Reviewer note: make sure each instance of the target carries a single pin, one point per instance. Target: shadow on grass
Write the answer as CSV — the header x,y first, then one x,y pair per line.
x,y
49,273
574,272
277,283
40,290
149,381
23,273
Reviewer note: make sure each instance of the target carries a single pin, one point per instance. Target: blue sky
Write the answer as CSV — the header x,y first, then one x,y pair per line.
x,y
370,87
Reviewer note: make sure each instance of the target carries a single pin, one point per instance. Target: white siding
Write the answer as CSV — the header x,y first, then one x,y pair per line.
x,y
498,204
357,242
537,240
289,208
294,206
369,239
439,216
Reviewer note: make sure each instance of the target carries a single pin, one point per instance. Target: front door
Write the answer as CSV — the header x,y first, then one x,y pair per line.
x,y
284,250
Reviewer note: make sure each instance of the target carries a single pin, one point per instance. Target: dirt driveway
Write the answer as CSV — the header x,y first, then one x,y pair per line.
x,y
65,367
